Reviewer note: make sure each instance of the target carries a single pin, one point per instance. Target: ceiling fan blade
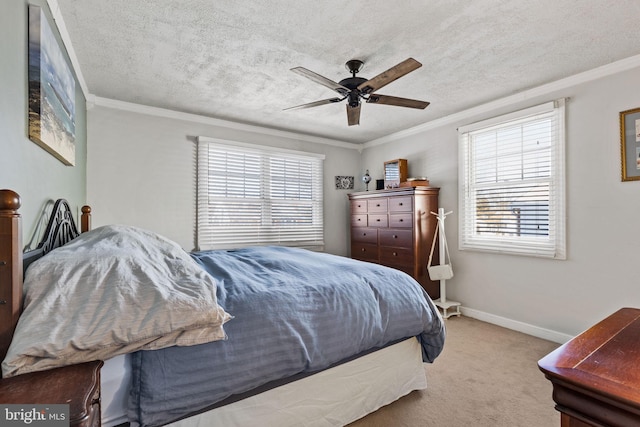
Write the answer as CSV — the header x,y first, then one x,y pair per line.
x,y
321,79
316,103
400,102
386,77
353,114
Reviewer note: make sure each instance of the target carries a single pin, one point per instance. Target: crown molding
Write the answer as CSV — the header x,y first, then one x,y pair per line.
x,y
196,118
546,89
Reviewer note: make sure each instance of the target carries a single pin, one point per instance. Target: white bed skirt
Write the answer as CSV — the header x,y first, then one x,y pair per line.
x,y
334,397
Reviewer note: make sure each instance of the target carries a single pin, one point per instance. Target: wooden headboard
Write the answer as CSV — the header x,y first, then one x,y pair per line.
x,y
61,228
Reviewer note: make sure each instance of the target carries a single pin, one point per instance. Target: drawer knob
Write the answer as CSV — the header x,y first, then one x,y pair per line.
x,y
400,204
377,205
395,254
401,220
364,234
363,250
395,236
378,219
359,219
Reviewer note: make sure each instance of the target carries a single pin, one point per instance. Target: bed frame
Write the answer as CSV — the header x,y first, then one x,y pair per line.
x,y
61,229
393,379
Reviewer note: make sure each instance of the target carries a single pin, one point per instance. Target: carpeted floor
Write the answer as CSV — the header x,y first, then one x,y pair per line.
x,y
485,376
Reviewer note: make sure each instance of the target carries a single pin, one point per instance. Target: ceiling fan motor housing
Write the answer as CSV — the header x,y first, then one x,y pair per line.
x,y
352,82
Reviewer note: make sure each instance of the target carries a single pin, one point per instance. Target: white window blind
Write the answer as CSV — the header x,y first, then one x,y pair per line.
x,y
512,178
253,195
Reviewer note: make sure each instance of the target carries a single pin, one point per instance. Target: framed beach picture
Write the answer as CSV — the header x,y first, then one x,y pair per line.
x,y
52,91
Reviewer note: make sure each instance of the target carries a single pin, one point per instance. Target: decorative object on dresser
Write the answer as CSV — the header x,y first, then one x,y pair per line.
x,y
595,377
395,173
366,179
76,385
394,227
420,181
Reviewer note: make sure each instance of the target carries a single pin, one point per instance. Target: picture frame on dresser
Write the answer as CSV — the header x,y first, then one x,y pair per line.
x,y
395,172
630,144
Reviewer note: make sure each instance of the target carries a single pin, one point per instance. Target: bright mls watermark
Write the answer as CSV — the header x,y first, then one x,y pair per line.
x,y
34,415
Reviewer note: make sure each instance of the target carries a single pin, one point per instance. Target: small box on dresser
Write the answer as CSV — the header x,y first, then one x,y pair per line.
x,y
394,227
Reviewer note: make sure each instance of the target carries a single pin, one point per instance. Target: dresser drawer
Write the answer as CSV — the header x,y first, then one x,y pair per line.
x,y
400,204
364,251
378,220
401,220
358,206
396,238
365,235
359,220
396,257
377,205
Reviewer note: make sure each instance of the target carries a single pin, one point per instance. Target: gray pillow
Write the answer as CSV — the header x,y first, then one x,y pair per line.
x,y
113,290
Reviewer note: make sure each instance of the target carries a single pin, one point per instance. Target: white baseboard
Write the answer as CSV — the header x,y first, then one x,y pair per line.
x,y
515,325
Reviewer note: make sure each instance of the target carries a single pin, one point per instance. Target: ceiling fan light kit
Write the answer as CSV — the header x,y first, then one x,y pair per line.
x,y
355,89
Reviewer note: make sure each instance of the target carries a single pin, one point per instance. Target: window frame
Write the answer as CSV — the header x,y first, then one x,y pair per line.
x,y
554,246
262,231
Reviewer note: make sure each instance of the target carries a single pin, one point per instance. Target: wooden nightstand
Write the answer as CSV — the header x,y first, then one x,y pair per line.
x,y
75,385
595,376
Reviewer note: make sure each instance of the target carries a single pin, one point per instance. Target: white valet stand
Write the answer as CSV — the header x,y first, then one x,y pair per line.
x,y
442,301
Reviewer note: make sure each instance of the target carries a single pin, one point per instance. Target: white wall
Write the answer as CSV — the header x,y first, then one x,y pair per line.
x,y
141,170
546,297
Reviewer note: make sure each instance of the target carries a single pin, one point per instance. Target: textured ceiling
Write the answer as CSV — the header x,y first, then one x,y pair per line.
x,y
231,59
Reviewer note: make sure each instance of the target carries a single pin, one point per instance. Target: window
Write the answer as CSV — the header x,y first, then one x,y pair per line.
x,y
512,183
254,195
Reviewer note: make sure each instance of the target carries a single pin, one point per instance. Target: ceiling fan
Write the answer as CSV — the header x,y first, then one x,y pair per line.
x,y
356,88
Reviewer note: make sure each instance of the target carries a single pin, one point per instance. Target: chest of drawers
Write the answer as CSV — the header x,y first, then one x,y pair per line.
x,y
395,228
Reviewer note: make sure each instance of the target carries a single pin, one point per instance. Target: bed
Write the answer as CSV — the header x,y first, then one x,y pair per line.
x,y
295,338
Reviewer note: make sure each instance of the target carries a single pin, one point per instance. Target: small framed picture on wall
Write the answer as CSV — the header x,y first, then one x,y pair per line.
x,y
630,144
344,182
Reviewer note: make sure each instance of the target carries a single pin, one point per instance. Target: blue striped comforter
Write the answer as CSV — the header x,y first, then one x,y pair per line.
x,y
295,311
